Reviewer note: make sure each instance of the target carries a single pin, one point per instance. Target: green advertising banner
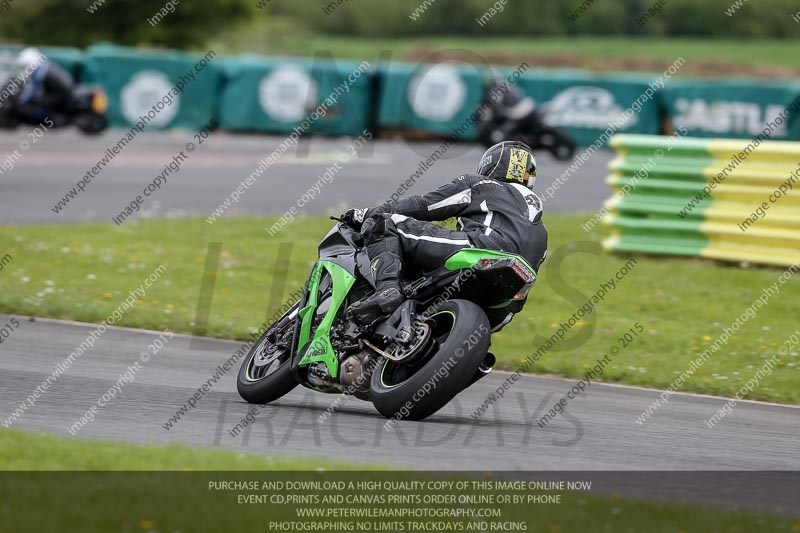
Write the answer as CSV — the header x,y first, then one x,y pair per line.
x,y
436,98
70,59
585,105
310,96
735,108
161,89
281,95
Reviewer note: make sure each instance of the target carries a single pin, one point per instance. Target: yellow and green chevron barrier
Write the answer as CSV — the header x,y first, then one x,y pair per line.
x,y
730,200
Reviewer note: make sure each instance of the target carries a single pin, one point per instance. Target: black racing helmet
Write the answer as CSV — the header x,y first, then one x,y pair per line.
x,y
509,161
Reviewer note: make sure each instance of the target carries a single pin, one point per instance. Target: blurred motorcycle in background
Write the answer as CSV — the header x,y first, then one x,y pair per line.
x,y
514,117
35,90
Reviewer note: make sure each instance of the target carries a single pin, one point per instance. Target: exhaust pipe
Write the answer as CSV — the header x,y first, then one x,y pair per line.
x,y
485,367
488,363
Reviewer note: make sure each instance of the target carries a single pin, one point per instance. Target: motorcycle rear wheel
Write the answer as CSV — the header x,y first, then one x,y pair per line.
x,y
417,389
557,142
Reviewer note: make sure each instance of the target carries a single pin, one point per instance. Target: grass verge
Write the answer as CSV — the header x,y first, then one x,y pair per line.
x,y
31,452
84,272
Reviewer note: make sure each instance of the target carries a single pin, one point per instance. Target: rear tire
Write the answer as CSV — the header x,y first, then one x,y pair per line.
x,y
274,384
559,144
444,373
564,151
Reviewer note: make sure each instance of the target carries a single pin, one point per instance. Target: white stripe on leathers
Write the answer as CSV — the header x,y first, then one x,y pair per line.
x,y
463,197
525,192
488,220
442,240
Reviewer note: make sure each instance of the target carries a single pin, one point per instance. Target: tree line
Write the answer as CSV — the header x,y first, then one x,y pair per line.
x,y
194,22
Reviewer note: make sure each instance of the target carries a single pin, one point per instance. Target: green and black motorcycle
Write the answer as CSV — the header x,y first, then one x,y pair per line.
x,y
408,364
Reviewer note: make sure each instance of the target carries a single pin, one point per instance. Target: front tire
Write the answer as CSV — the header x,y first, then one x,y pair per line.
x,y
417,389
265,374
9,121
91,123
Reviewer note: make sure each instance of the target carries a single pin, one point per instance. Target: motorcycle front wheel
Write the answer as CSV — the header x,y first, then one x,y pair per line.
x,y
9,121
265,374
91,123
418,388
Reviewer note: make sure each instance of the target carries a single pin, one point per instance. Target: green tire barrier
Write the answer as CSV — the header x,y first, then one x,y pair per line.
x,y
281,95
665,202
136,81
732,108
434,98
584,105
70,59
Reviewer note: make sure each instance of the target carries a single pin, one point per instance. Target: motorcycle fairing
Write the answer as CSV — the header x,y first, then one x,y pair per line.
x,y
469,257
320,348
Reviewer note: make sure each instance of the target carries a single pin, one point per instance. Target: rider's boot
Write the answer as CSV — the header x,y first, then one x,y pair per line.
x,y
388,296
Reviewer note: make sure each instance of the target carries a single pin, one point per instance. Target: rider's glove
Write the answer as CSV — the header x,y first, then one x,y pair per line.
x,y
354,217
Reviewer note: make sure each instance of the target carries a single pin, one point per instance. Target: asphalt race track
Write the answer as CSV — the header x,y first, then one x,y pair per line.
x,y
599,433
33,182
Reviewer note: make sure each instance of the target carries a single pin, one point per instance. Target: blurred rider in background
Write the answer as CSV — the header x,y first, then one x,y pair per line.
x,y
46,85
